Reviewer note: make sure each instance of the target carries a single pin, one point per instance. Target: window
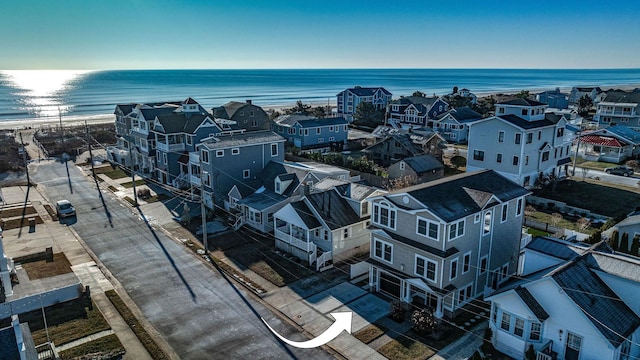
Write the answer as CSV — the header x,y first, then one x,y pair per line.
x,y
574,343
320,140
164,158
499,158
454,269
505,212
206,179
500,110
427,228
204,155
519,207
274,149
555,153
560,132
235,151
545,156
345,233
345,127
466,263
529,138
525,112
515,160
483,264
456,229
487,223
306,132
251,113
500,136
317,131
384,215
219,153
625,350
527,180
291,131
331,138
326,235
539,135
518,329
383,250
476,218
518,138
505,324
246,174
330,128
426,268
478,155
526,159
534,333
189,140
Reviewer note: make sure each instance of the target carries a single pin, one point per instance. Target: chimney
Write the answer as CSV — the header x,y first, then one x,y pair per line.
x,y
249,101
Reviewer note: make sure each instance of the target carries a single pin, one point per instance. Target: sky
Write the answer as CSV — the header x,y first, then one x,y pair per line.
x,y
264,34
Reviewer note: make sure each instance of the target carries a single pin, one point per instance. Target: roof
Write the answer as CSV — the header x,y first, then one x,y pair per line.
x,y
452,250
262,199
461,195
307,121
532,303
190,100
417,100
462,114
181,122
602,141
333,208
346,188
423,163
606,311
305,214
366,91
9,345
587,88
228,110
151,113
553,247
625,132
525,124
125,108
522,102
244,139
628,97
275,169
403,139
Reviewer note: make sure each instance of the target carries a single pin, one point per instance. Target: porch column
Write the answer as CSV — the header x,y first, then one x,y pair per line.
x,y
438,314
404,291
372,272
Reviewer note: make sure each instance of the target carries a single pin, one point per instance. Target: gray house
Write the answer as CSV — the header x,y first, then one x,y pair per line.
x,y
309,133
446,242
245,115
554,98
226,160
416,169
453,125
415,111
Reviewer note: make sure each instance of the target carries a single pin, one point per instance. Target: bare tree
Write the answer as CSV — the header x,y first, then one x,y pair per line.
x,y
583,224
529,210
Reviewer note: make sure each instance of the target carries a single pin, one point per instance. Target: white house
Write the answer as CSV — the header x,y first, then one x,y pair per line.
x,y
520,142
580,304
349,99
619,108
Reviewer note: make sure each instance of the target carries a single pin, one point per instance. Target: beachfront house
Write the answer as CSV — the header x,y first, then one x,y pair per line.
x,y
614,144
579,91
573,303
279,183
312,134
619,108
415,111
328,225
520,142
243,115
448,241
349,99
453,125
554,98
224,160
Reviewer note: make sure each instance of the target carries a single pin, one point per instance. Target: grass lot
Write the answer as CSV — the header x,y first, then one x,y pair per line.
x,y
566,223
597,165
130,184
144,337
43,269
370,333
19,222
405,348
107,345
9,213
116,173
68,321
604,200
536,232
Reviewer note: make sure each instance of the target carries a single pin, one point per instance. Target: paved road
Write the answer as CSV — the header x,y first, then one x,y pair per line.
x,y
632,181
199,313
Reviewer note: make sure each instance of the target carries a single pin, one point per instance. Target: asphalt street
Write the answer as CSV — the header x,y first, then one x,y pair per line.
x,y
198,311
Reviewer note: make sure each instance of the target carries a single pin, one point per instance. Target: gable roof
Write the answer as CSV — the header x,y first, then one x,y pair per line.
x,y
461,195
462,114
333,208
366,91
181,122
349,189
305,214
525,124
262,199
625,132
628,97
553,247
606,311
307,121
602,141
587,88
125,108
403,139
532,303
521,102
423,163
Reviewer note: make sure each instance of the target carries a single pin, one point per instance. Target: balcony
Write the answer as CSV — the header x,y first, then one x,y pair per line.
x,y
170,147
195,180
297,240
194,158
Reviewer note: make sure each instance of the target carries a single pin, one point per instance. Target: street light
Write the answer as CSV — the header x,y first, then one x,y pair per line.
x,y
203,175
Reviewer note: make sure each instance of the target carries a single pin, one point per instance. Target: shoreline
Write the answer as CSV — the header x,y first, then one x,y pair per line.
x,y
71,120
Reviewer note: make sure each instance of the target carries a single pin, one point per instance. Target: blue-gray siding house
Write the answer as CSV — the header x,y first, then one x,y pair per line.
x,y
454,124
554,98
415,111
349,99
309,133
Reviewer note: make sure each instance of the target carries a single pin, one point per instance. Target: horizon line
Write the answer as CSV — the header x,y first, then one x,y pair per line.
x,y
328,68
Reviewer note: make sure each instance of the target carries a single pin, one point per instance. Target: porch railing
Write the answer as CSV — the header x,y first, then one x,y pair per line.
x,y
546,352
323,259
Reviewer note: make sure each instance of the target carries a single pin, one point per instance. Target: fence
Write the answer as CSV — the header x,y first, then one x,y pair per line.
x,y
37,301
540,225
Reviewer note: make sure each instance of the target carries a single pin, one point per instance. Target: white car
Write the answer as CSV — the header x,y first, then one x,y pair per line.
x,y
65,209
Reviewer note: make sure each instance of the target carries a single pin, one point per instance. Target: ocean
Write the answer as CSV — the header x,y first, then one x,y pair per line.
x,y
44,93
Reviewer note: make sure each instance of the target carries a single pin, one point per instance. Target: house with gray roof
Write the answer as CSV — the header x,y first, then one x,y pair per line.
x,y
521,142
448,241
312,134
277,184
453,125
415,111
554,98
244,116
327,225
579,91
416,169
349,99
619,108
614,144
397,144
572,302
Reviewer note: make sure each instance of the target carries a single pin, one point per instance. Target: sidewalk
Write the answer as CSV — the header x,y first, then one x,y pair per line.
x,y
63,239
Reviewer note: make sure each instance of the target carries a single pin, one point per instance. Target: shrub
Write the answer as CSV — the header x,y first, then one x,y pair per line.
x,y
458,161
423,321
487,345
530,354
397,311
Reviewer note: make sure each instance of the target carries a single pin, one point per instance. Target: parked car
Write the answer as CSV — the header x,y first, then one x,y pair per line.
x,y
619,170
65,209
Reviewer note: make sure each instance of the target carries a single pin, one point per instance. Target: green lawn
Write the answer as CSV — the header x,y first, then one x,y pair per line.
x,y
129,184
116,173
600,199
597,165
536,232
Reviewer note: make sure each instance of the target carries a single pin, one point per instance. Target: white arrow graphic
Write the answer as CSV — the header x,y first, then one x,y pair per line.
x,y
343,322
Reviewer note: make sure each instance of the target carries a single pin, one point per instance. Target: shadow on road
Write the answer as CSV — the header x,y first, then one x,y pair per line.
x,y
66,164
104,204
166,253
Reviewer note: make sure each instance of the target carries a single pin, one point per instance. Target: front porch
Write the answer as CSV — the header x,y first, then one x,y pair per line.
x,y
296,240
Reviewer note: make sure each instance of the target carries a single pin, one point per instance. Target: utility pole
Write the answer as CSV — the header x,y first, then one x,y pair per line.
x,y
24,157
93,170
205,242
575,156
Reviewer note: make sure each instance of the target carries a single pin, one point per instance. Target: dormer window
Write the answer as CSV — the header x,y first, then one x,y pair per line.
x,y
525,112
